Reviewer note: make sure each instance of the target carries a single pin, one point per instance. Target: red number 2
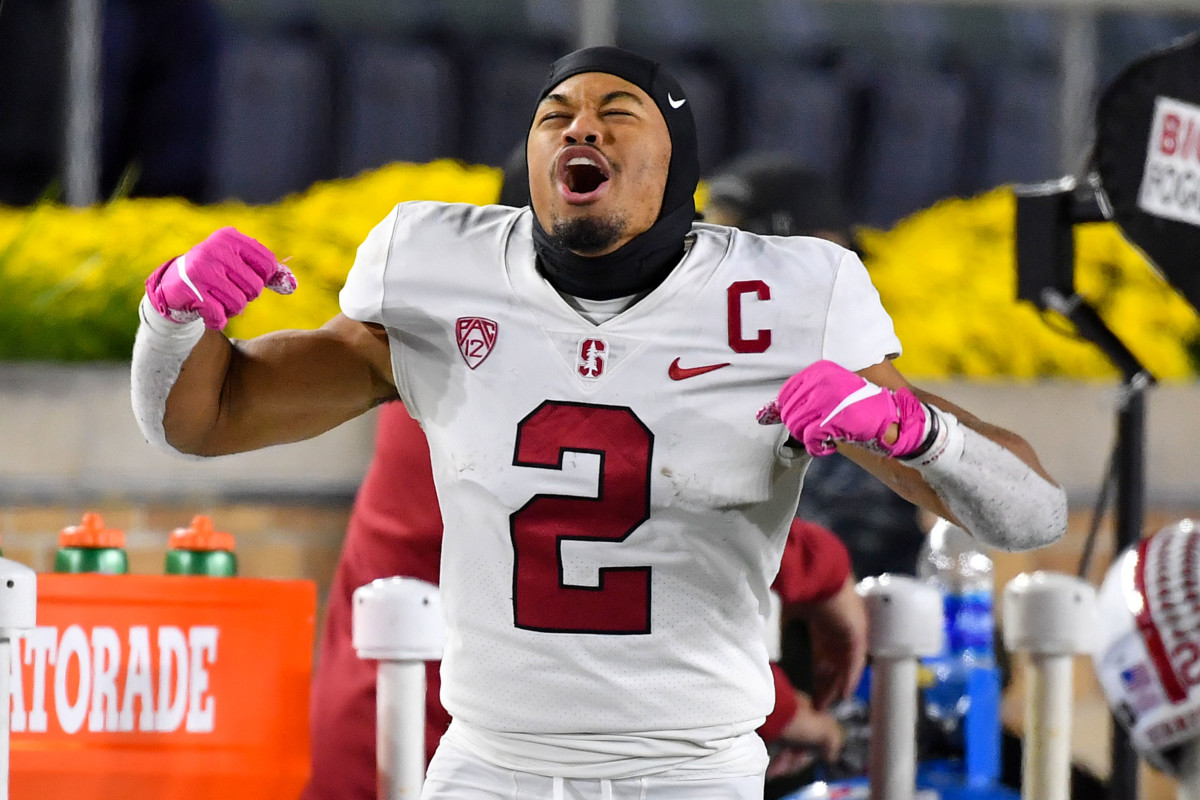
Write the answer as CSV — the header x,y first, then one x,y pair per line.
x,y
620,604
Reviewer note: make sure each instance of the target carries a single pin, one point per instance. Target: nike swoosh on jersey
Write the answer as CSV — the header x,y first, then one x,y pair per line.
x,y
675,103
181,268
678,373
862,393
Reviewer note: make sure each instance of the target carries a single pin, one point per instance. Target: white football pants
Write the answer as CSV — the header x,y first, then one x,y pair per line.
x,y
455,774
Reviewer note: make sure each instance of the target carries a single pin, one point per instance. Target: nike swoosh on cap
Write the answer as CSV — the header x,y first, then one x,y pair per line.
x,y
675,103
678,373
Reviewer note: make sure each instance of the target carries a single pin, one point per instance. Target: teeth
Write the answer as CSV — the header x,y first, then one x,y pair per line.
x,y
581,161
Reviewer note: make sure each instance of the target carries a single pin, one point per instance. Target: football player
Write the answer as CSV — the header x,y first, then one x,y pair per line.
x,y
620,403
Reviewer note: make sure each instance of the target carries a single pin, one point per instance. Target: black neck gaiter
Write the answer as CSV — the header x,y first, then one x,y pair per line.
x,y
645,261
636,267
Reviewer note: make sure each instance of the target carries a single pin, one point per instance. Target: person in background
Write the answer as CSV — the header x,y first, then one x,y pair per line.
x,y
774,194
614,508
395,528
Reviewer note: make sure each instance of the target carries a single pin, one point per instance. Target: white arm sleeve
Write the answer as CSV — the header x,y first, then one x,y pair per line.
x,y
996,496
159,350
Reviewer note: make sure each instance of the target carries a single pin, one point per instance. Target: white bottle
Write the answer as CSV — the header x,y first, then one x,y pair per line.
x,y
957,565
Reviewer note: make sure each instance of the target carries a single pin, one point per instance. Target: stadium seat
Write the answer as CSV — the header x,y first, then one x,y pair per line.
x,y
733,29
1008,58
272,136
1033,36
267,14
917,33
912,142
380,17
1125,36
889,33
399,103
502,84
553,20
798,29
661,27
1021,128
807,112
486,19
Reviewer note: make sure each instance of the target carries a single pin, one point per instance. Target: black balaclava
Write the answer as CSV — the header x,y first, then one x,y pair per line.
x,y
644,261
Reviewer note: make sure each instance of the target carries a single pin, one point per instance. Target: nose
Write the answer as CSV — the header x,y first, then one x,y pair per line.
x,y
584,127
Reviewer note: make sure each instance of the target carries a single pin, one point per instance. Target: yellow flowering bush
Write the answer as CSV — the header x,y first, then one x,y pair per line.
x,y
318,232
70,279
948,276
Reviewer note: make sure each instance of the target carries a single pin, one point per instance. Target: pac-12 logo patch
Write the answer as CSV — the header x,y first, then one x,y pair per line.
x,y
476,338
592,354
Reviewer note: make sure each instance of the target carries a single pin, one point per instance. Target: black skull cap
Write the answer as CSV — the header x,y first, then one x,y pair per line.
x,y
653,79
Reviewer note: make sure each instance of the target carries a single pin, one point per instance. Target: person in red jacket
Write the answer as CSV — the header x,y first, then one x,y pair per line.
x,y
396,529
815,583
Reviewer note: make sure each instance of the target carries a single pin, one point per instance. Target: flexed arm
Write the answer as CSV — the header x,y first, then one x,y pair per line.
x,y
197,392
935,454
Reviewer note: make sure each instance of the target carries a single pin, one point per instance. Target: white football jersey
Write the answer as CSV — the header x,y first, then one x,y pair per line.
x,y
614,514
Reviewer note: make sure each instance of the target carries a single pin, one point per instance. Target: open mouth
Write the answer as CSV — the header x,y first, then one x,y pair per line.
x,y
583,175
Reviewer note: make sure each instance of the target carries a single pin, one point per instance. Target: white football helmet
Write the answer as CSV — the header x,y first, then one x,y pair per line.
x,y
1147,652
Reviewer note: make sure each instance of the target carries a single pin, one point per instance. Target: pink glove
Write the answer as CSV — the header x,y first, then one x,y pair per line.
x,y
826,403
216,279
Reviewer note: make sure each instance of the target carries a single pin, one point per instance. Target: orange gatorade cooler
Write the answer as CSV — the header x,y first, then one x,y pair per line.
x,y
165,687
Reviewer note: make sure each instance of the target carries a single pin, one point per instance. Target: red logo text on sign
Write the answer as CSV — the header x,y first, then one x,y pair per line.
x,y
1171,179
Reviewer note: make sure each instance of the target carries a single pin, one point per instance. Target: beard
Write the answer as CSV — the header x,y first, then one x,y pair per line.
x,y
587,236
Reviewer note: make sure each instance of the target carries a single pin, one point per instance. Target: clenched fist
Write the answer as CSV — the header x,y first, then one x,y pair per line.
x,y
826,403
216,279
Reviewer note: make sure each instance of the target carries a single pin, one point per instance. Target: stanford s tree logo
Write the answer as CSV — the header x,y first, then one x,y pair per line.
x,y
591,358
476,338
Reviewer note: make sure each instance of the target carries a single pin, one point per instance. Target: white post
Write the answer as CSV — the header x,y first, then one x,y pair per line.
x,y
893,747
398,621
904,623
400,730
1078,65
1188,787
18,611
6,665
85,27
597,22
1052,617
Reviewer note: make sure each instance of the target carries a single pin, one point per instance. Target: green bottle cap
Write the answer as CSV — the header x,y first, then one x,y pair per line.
x,y
91,547
201,550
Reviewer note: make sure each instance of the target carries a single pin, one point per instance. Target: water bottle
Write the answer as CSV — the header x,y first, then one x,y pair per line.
x,y
953,561
201,550
91,547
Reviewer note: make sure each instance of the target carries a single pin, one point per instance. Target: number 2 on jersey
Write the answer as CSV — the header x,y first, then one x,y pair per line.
x,y
620,603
